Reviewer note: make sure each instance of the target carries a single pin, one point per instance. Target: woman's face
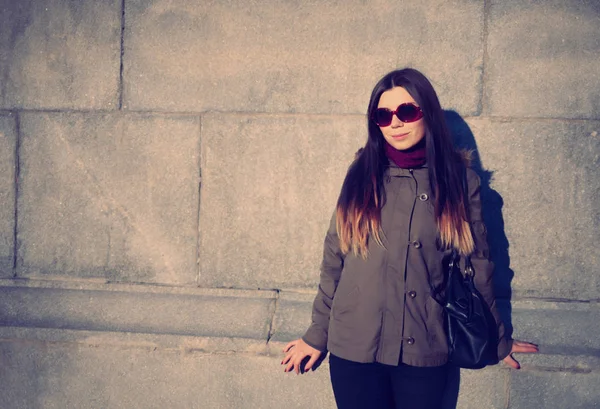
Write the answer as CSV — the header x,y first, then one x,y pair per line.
x,y
400,135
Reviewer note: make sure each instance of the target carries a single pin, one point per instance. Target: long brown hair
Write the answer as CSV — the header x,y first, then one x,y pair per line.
x,y
358,215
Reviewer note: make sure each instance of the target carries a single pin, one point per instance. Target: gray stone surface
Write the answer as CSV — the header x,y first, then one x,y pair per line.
x,y
48,376
153,313
118,371
269,188
60,54
292,316
8,139
482,389
554,390
110,196
564,331
154,322
543,59
106,312
548,176
546,361
282,56
182,343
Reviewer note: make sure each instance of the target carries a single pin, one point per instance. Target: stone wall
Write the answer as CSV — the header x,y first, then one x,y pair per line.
x,y
169,168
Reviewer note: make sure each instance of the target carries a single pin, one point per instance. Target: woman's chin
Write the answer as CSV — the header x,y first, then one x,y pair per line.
x,y
402,144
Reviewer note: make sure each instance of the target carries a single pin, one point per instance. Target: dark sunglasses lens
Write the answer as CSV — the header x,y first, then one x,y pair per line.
x,y
383,117
409,113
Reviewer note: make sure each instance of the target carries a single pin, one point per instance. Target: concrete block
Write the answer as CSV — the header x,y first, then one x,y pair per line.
x,y
553,390
560,363
292,316
482,389
210,315
309,57
546,175
269,187
543,59
8,140
49,376
109,196
257,381
554,326
183,343
59,54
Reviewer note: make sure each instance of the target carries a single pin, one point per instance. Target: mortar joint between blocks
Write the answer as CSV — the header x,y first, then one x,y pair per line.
x,y
272,320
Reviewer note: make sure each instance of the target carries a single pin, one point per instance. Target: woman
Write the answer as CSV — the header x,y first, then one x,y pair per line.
x,y
401,210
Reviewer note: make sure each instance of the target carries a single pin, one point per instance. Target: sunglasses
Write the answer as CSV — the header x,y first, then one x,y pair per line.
x,y
407,112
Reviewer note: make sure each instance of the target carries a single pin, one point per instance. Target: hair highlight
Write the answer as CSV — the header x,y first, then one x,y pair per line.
x,y
357,222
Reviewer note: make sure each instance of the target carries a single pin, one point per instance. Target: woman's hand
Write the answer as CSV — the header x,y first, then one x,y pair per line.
x,y
296,351
519,346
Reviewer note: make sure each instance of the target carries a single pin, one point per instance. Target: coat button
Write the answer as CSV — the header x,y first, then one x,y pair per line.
x,y
424,197
410,341
416,244
412,294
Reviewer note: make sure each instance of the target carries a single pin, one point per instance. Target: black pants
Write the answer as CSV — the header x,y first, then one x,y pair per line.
x,y
377,386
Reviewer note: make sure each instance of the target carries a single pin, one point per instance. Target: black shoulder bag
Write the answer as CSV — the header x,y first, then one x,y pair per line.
x,y
471,329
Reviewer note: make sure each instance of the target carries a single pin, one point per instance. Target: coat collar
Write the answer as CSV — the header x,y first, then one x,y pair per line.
x,y
394,170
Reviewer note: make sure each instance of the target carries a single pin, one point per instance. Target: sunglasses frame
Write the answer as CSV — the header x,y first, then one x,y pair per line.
x,y
395,112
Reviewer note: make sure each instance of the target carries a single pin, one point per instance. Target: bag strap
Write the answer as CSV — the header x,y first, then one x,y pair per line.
x,y
468,270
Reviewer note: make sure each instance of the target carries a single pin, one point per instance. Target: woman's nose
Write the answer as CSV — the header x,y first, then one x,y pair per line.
x,y
396,123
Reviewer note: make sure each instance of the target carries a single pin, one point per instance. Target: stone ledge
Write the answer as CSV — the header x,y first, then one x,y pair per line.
x,y
201,314
243,321
100,284
8,142
292,315
130,340
550,324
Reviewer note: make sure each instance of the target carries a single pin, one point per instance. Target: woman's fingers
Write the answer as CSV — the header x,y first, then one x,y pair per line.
x,y
297,366
510,361
288,360
524,346
290,345
289,366
293,362
311,362
293,365
524,343
296,352
521,346
527,347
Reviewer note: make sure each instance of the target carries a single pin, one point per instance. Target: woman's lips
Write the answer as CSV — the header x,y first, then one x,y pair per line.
x,y
400,136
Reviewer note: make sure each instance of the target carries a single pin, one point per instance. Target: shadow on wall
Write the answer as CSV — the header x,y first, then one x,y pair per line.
x,y
492,215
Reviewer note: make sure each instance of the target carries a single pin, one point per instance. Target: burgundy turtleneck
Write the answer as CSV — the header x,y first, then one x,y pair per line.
x,y
413,157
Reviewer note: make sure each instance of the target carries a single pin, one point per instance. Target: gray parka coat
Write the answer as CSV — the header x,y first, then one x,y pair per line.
x,y
379,309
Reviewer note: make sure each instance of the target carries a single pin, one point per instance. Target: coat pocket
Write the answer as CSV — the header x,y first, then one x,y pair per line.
x,y
344,303
436,333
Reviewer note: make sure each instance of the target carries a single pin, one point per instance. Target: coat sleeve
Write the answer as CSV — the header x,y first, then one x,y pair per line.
x,y
480,260
331,270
